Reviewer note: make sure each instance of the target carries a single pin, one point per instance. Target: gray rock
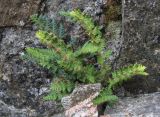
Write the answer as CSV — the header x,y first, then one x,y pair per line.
x,y
147,105
79,94
23,83
141,35
11,111
17,12
93,8
114,39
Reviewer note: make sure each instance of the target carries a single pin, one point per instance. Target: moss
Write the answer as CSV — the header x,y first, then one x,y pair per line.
x,y
113,10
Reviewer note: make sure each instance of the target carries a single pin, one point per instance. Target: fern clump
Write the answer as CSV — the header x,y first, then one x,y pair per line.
x,y
86,64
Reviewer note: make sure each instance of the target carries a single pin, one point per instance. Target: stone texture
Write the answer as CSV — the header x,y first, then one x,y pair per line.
x,y
22,83
84,109
79,103
141,35
79,94
11,111
147,105
114,39
17,12
93,8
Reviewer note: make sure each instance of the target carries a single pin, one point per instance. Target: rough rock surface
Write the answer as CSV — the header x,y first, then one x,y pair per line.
x,y
79,94
141,39
79,103
93,8
147,105
23,83
17,12
11,111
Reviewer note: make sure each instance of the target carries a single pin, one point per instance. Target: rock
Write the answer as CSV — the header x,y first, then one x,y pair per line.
x,y
141,32
59,115
79,103
147,105
11,111
23,83
114,39
17,12
93,8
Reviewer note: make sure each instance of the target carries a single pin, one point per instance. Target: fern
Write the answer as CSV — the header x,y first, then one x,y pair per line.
x,y
48,25
106,95
59,88
86,64
88,24
44,57
86,49
125,74
119,77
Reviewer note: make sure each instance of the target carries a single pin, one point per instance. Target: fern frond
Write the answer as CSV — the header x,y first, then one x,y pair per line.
x,y
126,74
106,95
61,31
44,57
87,48
88,24
49,25
52,41
105,98
89,72
59,88
54,27
42,22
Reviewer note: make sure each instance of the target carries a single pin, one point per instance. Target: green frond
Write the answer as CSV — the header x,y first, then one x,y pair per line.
x,y
54,27
87,48
44,57
126,74
61,31
106,95
59,88
48,25
90,77
52,41
88,24
41,21
105,98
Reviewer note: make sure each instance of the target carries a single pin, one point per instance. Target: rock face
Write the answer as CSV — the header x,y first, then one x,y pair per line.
x,y
79,103
23,84
10,111
147,105
17,12
141,38
79,94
